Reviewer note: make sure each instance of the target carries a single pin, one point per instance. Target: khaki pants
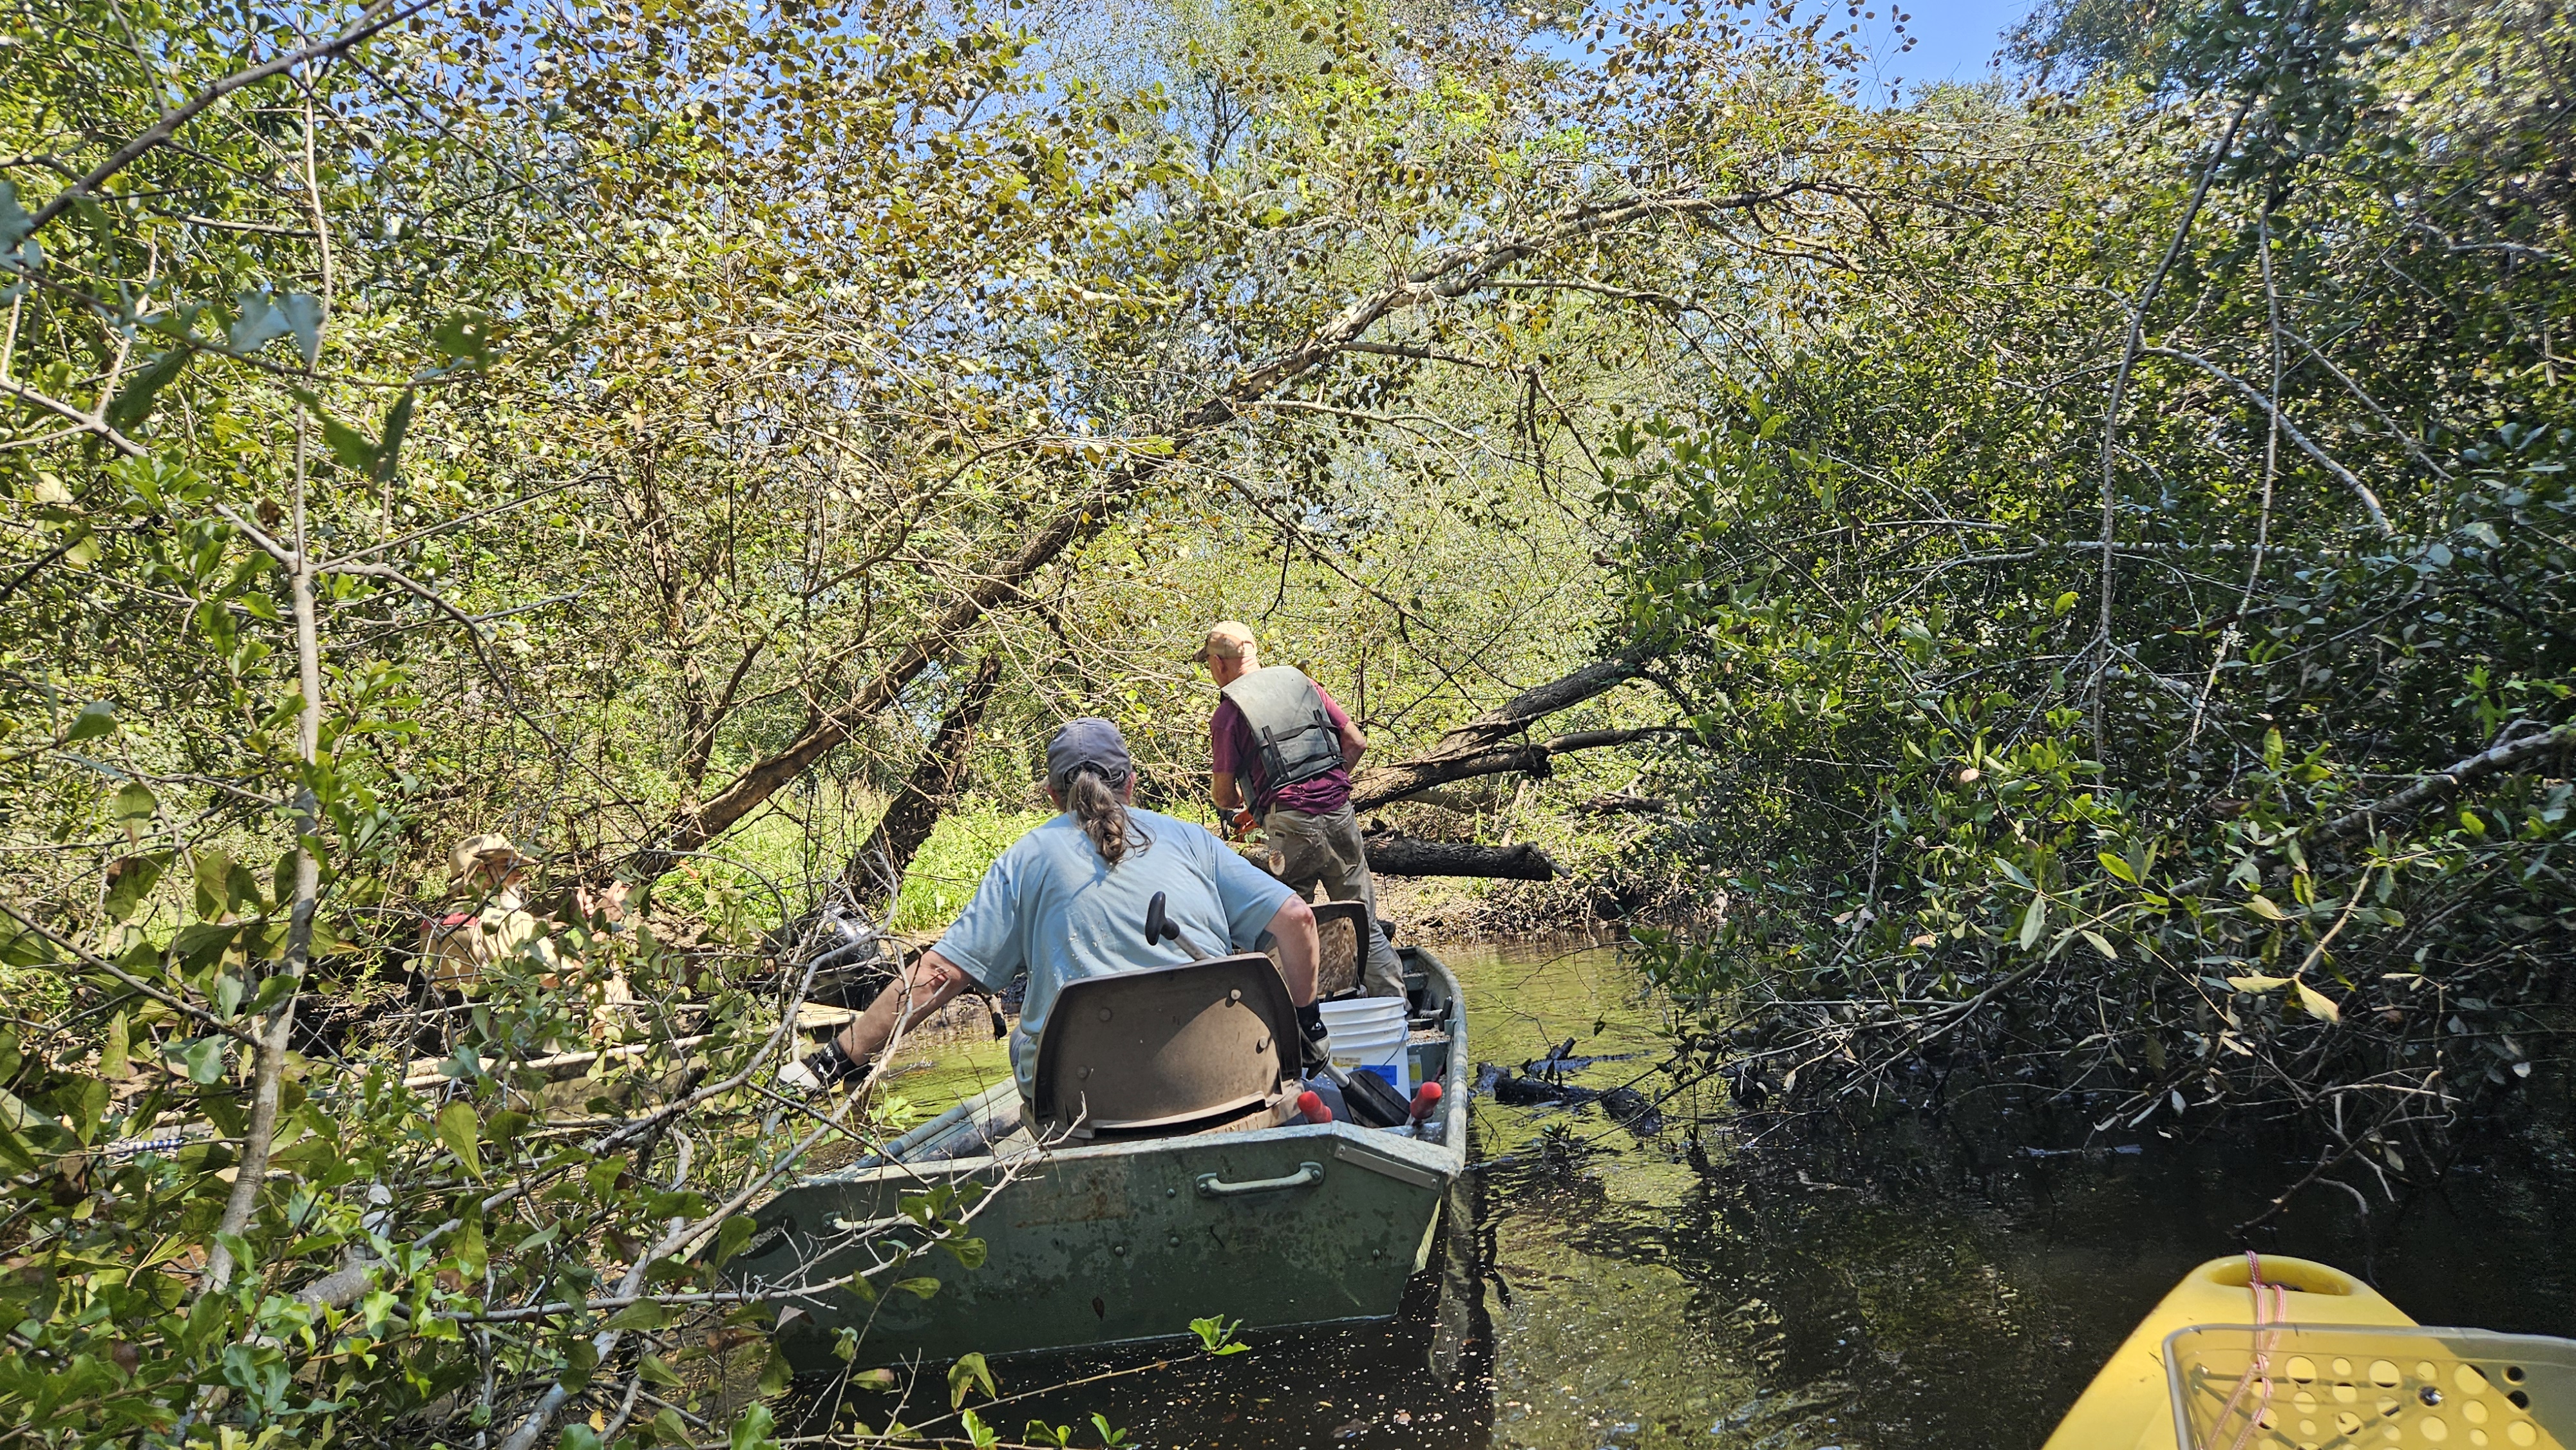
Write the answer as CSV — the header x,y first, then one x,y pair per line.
x,y
1325,850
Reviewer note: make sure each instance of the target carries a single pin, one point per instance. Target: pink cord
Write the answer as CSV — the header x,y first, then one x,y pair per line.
x,y
2266,1335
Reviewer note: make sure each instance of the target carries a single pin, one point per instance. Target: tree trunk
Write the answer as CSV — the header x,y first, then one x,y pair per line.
x,y
1390,854
876,872
1497,742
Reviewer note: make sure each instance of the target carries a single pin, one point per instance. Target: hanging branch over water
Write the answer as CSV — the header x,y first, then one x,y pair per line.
x,y
1497,743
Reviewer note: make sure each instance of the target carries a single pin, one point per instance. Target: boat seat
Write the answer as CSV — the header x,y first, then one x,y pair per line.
x,y
1340,946
1187,1049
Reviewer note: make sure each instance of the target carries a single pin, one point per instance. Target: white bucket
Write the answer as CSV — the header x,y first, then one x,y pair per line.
x,y
1370,1034
1362,1012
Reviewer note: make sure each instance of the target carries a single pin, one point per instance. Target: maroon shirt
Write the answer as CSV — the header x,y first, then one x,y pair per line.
x,y
1232,751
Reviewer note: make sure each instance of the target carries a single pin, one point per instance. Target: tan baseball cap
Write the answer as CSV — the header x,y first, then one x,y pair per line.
x,y
1228,639
470,852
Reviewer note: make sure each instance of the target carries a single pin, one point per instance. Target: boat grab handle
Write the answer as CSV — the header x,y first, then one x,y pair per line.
x,y
1211,1186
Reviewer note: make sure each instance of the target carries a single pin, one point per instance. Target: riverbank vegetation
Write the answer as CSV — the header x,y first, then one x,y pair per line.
x,y
2158,709
2072,569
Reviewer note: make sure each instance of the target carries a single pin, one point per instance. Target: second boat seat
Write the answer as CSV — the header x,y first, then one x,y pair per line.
x,y
1181,1049
1339,951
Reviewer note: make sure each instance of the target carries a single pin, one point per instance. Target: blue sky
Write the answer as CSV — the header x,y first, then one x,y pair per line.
x,y
1954,40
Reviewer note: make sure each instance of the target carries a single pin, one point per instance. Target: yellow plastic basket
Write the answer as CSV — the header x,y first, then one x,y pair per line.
x,y
2351,1387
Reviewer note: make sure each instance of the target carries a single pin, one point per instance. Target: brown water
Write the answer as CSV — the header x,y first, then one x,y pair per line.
x,y
1929,1294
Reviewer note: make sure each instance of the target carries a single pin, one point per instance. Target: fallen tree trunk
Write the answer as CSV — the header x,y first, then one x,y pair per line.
x,y
1391,854
1497,743
875,873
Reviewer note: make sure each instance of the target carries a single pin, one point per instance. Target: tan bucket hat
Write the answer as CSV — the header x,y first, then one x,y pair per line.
x,y
470,852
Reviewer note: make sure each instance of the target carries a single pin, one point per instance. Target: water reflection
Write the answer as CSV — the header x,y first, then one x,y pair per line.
x,y
1606,1289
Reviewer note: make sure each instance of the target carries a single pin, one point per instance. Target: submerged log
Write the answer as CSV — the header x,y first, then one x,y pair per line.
x,y
1392,854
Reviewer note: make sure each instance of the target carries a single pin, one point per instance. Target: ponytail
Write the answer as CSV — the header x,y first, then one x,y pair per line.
x,y
1103,817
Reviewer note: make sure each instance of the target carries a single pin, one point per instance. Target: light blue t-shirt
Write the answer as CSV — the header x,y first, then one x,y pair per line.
x,y
1052,908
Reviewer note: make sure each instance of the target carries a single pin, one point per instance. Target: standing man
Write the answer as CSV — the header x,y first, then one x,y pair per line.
x,y
1278,737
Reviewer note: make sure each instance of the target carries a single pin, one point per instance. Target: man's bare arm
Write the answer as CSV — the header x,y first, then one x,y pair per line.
x,y
1229,797
932,981
1293,927
1354,745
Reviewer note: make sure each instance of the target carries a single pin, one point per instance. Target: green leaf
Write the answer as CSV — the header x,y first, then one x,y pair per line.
x,y
968,1372
258,323
463,337
461,1131
730,1238
581,1359
471,1256
979,1434
133,402
239,1248
2117,866
504,1126
274,988
13,218
2258,984
302,312
642,1314
115,1059
655,1372
754,1431
2099,944
2034,921
776,1374
212,867
397,424
129,881
134,807
85,1101
920,1288
348,445
95,719
2318,1004
969,1253
2263,906
1216,1336
241,889
200,942
204,1057
670,1429
578,1437
1108,1436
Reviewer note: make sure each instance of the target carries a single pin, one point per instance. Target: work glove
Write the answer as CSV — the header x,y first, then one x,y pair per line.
x,y
1238,826
1315,1044
821,1069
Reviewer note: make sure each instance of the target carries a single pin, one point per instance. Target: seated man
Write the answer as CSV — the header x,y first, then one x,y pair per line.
x,y
1068,901
494,927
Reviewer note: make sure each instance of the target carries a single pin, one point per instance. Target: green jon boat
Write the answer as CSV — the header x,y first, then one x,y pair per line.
x,y
1132,1205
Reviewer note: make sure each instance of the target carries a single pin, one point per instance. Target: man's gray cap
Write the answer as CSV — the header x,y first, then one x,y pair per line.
x,y
1089,741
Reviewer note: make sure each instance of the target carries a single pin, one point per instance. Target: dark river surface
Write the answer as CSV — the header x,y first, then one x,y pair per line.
x,y
1924,1293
